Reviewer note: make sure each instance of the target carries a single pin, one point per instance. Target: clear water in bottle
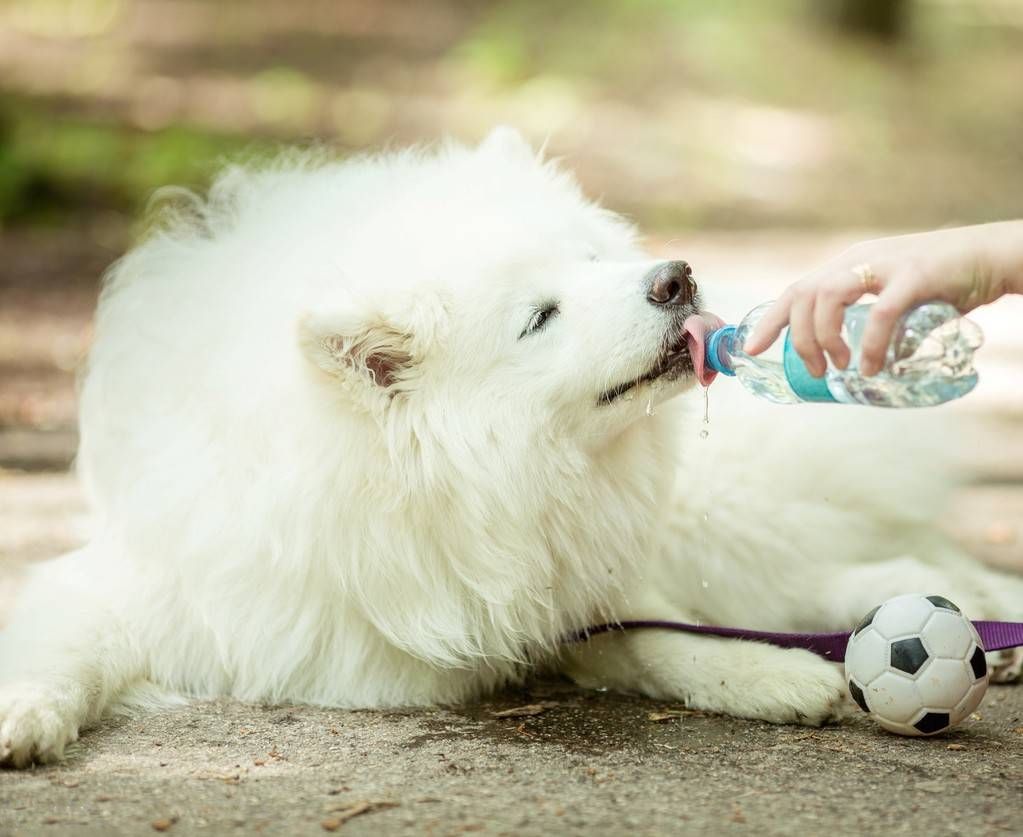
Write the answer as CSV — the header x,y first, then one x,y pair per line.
x,y
764,375
929,361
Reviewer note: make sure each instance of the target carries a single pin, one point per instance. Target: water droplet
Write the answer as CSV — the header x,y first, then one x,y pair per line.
x,y
704,432
650,407
705,584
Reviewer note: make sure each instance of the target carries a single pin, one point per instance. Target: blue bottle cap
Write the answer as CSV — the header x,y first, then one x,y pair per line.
x,y
712,350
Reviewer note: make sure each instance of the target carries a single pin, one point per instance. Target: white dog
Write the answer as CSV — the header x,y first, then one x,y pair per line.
x,y
377,433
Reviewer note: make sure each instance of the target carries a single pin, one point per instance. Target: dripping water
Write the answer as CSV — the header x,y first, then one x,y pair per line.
x,y
704,431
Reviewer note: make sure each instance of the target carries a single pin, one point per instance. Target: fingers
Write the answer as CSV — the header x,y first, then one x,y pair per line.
x,y
770,325
828,314
804,338
897,298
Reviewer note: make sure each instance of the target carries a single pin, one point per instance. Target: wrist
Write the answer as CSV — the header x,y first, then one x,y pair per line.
x,y
1006,242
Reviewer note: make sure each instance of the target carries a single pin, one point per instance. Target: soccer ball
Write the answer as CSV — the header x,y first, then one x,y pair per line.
x,y
917,665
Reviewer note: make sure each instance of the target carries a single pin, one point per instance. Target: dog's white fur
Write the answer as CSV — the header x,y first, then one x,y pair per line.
x,y
327,468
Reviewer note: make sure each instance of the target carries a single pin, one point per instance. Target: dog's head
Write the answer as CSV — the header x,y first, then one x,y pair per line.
x,y
486,299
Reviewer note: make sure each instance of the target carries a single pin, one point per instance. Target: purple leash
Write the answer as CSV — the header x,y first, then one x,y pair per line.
x,y
996,636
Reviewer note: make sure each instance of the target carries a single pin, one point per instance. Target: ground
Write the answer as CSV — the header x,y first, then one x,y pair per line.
x,y
590,763
568,761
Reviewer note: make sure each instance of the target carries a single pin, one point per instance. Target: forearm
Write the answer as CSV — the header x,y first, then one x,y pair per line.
x,y
1003,243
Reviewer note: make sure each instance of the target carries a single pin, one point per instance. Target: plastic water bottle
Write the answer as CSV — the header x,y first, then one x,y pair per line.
x,y
929,361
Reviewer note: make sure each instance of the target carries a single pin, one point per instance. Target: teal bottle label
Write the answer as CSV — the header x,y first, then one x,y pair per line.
x,y
803,384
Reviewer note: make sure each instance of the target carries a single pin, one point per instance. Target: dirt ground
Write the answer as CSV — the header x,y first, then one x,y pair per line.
x,y
586,762
591,763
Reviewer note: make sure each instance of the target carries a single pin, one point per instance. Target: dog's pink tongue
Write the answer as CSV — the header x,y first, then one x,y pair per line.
x,y
697,327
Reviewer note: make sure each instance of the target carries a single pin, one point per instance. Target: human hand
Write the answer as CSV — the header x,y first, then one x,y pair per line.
x,y
966,267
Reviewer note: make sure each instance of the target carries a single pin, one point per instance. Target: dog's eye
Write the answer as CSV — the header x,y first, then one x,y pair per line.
x,y
541,316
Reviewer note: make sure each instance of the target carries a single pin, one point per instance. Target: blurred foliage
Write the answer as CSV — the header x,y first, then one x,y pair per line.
x,y
628,45
884,19
681,112
53,165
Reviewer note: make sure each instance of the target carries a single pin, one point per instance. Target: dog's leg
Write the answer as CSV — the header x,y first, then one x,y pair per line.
x,y
63,656
744,679
980,592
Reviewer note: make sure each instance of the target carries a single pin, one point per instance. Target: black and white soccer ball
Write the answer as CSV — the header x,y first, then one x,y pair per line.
x,y
916,664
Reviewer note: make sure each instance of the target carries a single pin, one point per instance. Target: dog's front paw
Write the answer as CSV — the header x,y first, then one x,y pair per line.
x,y
1006,666
35,725
801,689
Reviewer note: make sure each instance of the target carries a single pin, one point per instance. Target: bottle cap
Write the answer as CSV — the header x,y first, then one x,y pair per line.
x,y
712,356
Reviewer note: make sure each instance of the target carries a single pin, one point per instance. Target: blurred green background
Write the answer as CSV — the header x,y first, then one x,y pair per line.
x,y
686,114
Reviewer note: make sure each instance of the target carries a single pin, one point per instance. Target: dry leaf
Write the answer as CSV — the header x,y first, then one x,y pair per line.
x,y
956,747
343,813
521,730
164,824
527,711
229,778
668,715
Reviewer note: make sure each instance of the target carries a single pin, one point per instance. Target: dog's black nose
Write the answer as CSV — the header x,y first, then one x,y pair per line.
x,y
671,284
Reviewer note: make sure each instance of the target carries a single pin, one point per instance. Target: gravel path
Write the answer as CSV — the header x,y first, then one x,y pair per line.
x,y
589,763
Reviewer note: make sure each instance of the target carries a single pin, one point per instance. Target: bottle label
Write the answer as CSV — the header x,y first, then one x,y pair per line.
x,y
803,384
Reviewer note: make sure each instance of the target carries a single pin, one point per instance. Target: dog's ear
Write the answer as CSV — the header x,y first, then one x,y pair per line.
x,y
507,142
372,351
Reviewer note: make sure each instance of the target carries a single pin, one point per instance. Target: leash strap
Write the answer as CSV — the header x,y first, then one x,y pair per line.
x,y
996,636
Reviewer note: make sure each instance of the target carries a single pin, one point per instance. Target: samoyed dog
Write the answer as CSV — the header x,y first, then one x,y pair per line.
x,y
383,432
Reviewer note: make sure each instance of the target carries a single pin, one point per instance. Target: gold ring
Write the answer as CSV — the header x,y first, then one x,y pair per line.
x,y
867,278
